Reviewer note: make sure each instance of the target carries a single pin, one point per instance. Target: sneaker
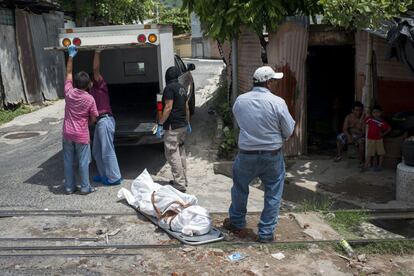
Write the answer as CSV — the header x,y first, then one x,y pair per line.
x,y
108,183
91,190
265,240
177,186
337,158
239,232
98,178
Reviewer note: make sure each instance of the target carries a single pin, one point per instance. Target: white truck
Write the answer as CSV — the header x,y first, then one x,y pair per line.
x,y
133,64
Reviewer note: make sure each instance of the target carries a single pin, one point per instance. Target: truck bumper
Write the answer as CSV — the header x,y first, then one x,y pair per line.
x,y
136,140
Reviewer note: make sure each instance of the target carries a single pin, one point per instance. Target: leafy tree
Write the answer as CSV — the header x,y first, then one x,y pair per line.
x,y
124,11
224,18
178,18
109,11
362,13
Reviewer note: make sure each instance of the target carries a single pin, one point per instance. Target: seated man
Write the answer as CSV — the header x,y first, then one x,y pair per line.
x,y
353,132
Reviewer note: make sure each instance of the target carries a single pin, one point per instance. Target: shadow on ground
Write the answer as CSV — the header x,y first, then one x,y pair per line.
x,y
313,179
132,161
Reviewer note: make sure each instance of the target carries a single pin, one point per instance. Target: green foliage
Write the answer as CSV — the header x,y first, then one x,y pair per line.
x,y
114,12
124,11
346,223
223,19
7,115
388,247
315,205
228,144
362,13
179,19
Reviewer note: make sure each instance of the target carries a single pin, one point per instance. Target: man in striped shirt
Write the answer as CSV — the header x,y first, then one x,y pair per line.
x,y
80,110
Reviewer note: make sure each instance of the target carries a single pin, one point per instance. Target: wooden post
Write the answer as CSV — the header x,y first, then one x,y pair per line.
x,y
367,93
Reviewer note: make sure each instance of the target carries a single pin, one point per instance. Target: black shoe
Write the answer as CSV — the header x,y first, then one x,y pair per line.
x,y
265,240
177,186
69,192
239,232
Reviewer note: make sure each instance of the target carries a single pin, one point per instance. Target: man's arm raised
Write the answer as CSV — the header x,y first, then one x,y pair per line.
x,y
97,65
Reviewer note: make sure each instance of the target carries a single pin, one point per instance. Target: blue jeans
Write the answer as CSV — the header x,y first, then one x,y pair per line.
x,y
82,153
271,171
103,149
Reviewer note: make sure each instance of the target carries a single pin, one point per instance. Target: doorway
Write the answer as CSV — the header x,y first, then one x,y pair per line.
x,y
330,94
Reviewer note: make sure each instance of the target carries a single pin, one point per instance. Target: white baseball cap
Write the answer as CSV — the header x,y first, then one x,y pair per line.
x,y
265,73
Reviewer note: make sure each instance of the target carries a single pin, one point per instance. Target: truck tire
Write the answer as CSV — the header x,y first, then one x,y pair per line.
x,y
192,101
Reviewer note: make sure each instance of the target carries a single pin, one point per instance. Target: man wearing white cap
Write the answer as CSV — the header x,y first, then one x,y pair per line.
x,y
265,123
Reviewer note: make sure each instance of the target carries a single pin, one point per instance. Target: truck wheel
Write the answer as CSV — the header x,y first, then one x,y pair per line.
x,y
192,101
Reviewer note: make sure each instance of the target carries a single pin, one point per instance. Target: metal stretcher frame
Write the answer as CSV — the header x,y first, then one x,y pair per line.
x,y
214,235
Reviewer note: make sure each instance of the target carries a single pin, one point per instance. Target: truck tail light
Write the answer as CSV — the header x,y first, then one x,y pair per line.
x,y
66,42
77,41
142,38
152,38
159,106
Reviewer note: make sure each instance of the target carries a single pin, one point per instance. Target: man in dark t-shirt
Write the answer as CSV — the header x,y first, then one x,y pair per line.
x,y
175,123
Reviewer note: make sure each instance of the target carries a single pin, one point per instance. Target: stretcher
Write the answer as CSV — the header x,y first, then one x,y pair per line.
x,y
214,235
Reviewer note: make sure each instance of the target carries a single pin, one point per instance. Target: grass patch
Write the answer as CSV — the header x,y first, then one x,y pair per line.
x,y
6,115
315,205
346,223
389,247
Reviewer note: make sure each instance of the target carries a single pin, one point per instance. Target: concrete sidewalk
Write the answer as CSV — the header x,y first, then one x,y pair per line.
x,y
321,178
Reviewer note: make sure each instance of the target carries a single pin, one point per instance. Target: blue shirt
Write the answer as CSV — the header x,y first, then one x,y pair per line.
x,y
264,120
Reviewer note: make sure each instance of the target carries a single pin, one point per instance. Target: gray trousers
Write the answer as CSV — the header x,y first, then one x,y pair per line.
x,y
175,154
103,149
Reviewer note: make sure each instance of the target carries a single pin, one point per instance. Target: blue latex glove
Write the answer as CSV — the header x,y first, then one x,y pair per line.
x,y
160,131
189,129
72,50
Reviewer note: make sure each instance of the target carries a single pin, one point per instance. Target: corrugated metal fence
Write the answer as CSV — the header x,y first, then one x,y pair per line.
x,y
28,73
287,51
11,81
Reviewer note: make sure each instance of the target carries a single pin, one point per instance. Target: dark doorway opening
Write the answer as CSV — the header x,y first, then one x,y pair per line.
x,y
330,94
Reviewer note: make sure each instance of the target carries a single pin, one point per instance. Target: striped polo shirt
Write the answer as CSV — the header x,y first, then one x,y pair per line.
x,y
80,106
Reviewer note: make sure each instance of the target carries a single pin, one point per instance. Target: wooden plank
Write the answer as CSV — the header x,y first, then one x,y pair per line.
x,y
54,21
28,66
44,61
10,68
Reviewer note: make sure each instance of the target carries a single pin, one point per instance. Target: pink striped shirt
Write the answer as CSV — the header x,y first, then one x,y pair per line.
x,y
79,107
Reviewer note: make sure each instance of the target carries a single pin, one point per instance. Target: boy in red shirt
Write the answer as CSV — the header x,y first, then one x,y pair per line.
x,y
377,129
